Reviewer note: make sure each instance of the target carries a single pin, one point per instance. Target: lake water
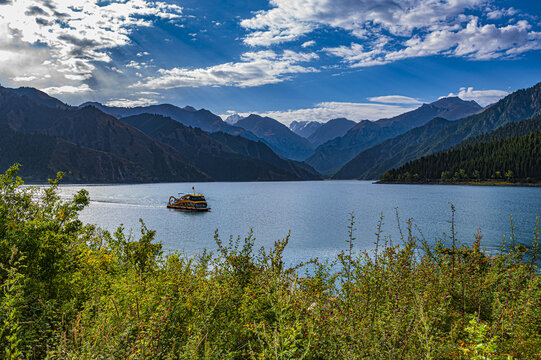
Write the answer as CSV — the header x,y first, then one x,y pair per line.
x,y
316,213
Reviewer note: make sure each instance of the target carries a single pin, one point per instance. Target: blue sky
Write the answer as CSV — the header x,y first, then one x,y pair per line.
x,y
290,59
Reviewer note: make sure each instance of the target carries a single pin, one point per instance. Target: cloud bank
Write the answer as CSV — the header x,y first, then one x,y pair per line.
x,y
57,43
326,111
391,30
254,69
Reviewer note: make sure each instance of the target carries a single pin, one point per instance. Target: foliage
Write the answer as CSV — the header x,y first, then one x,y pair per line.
x,y
520,128
515,158
72,291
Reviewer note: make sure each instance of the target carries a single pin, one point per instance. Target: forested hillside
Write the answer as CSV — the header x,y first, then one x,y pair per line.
x,y
513,159
520,128
393,153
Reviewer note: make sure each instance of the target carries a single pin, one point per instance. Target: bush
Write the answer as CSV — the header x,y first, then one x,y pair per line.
x,y
72,291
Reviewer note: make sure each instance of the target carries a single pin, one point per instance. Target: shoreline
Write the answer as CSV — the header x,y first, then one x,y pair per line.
x,y
471,183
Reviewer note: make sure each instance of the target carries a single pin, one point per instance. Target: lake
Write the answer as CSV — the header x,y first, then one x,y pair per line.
x,y
316,213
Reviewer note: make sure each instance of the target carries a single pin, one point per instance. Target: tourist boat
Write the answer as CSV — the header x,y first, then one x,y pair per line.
x,y
189,202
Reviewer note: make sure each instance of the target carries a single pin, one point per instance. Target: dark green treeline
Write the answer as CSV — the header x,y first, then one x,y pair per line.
x,y
514,159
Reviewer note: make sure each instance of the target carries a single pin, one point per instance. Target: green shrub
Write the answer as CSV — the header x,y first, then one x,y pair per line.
x,y
73,291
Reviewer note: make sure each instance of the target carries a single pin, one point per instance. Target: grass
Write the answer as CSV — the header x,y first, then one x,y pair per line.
x,y
73,291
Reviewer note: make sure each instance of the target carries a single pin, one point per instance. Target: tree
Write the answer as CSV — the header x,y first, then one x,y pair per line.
x,y
509,175
386,176
445,175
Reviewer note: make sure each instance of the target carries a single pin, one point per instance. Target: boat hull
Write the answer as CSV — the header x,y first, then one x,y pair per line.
x,y
187,208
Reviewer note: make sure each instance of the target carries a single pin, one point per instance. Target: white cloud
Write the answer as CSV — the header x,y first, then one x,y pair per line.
x,y
290,19
308,43
131,103
391,30
138,65
357,56
115,69
500,13
67,89
78,77
24,78
148,93
394,99
326,111
477,42
133,64
474,41
65,39
482,97
254,69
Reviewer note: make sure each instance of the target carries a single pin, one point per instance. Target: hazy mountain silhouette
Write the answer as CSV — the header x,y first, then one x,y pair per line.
x,y
332,155
278,136
330,130
305,128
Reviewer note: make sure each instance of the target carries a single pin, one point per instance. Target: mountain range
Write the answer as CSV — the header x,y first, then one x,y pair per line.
x,y
332,155
305,128
111,150
440,134
189,116
98,143
278,136
511,152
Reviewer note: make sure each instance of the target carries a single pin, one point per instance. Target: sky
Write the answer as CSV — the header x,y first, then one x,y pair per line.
x,y
288,59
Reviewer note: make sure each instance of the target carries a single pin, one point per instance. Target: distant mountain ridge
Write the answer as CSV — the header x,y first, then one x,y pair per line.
x,y
450,108
233,119
47,136
278,136
305,128
332,155
189,116
439,135
222,156
91,128
41,98
331,129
